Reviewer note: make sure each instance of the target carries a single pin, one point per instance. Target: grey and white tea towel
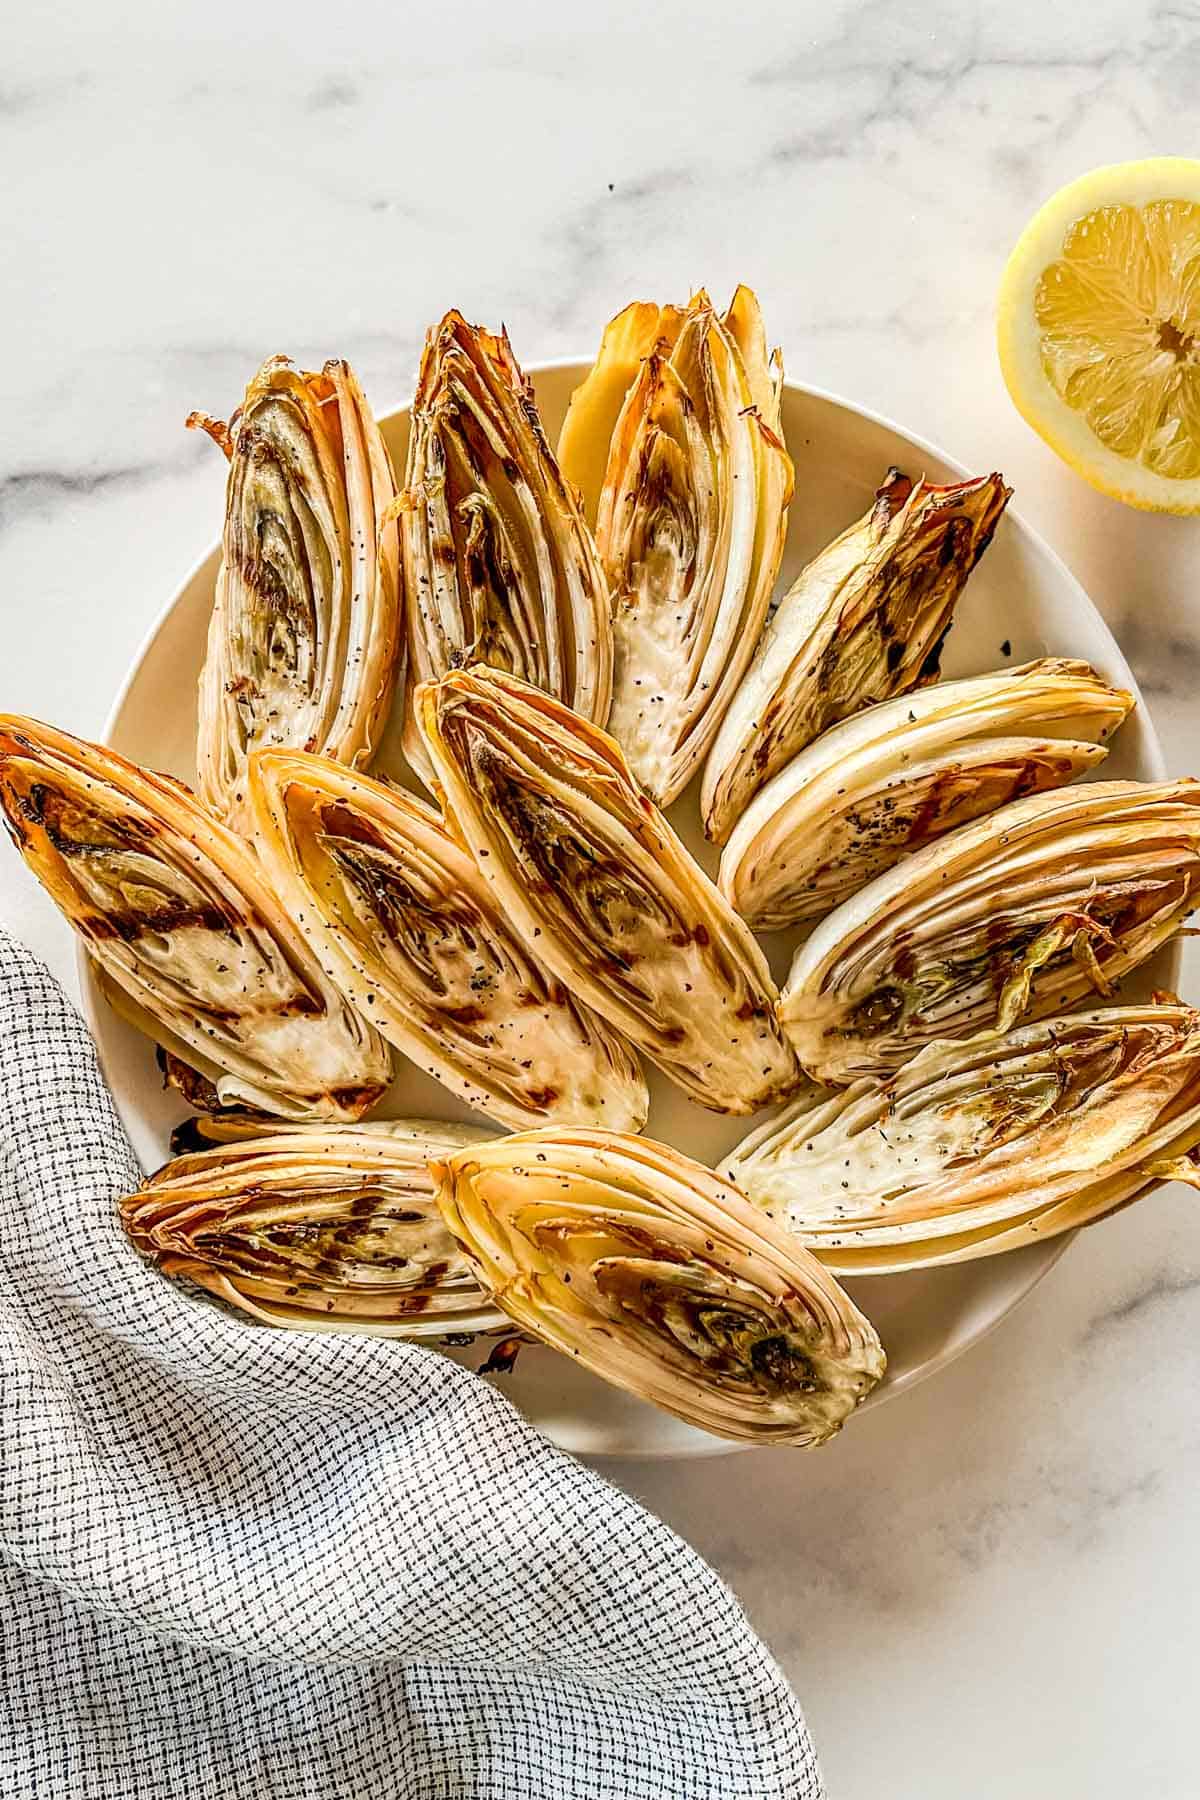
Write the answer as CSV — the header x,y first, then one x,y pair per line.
x,y
263,1564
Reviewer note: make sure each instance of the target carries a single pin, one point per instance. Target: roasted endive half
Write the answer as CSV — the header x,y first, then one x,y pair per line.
x,y
500,566
896,776
404,923
1028,910
586,868
661,1278
690,516
188,941
306,633
330,1230
983,1146
863,622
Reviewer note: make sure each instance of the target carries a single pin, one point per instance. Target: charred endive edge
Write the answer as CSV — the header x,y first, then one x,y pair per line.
x,y
983,1146
336,1229
690,516
406,926
189,942
306,636
863,622
660,1278
896,776
1029,910
589,872
238,1125
500,565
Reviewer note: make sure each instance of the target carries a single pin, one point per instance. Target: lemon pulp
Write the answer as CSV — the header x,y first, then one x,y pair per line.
x,y
1119,319
1098,329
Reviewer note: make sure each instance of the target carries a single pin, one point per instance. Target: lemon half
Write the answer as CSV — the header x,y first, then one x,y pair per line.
x,y
1099,330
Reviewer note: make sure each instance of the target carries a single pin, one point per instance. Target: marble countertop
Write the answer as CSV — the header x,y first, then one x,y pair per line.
x,y
985,1588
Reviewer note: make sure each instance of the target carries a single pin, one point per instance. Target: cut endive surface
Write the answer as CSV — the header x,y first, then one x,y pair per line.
x,y
896,776
1026,911
336,1229
188,940
500,565
982,1146
690,515
659,1277
306,635
864,621
411,933
586,868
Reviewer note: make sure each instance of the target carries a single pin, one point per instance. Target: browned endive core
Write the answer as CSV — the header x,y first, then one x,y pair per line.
x,y
188,940
979,1147
900,775
690,516
1054,897
332,1229
660,1277
499,563
401,918
305,640
588,870
865,620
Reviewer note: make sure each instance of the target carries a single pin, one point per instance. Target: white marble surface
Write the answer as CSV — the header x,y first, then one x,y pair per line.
x,y
987,1589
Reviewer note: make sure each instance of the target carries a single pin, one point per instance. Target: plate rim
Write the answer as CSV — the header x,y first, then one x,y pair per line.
x,y
707,1446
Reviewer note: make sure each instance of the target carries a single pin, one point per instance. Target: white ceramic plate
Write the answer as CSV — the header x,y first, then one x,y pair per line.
x,y
1020,603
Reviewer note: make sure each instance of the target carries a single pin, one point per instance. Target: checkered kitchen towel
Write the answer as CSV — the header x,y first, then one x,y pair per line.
x,y
253,1563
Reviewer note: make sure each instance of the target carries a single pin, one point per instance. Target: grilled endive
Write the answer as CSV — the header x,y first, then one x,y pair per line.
x,y
656,1275
188,940
1028,910
982,1146
331,1230
500,566
589,872
306,636
896,776
690,517
864,621
409,930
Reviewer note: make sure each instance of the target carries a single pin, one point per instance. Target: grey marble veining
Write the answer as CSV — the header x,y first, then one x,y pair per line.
x,y
983,1589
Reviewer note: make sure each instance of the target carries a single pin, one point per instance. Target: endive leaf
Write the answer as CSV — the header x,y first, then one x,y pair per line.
x,y
1034,907
896,776
589,872
1175,1168
985,1145
305,640
239,1125
659,1277
404,923
586,436
863,622
335,1229
188,939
